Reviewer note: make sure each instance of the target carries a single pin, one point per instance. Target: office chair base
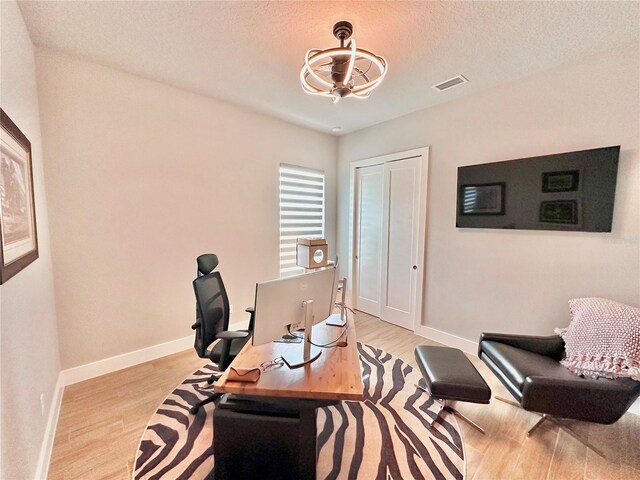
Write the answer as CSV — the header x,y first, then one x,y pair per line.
x,y
194,409
447,407
544,417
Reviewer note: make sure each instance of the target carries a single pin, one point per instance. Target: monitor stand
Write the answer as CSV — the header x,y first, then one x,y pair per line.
x,y
336,320
340,320
297,358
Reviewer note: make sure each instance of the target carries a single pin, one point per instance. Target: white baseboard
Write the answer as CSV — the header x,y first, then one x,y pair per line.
x,y
635,408
46,448
112,364
91,370
448,339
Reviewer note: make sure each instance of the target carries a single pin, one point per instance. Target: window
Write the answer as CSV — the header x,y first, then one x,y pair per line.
x,y
301,212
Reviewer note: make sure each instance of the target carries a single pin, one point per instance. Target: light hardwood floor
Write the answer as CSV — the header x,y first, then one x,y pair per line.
x,y
102,420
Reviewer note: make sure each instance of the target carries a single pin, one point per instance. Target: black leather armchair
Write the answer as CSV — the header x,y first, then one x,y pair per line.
x,y
529,367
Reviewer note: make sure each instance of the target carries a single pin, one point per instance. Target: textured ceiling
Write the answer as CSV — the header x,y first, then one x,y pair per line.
x,y
250,53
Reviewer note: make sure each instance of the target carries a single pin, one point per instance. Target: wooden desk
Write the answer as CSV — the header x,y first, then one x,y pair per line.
x,y
335,375
267,429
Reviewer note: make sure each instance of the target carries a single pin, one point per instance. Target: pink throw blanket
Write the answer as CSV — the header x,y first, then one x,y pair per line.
x,y
603,339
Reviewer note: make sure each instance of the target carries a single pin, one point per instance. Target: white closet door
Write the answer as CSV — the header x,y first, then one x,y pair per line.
x,y
368,248
400,227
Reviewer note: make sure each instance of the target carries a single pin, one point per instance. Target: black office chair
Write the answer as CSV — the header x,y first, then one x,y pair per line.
x,y
207,263
212,323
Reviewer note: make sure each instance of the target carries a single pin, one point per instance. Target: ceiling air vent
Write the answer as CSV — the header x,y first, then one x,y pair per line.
x,y
452,82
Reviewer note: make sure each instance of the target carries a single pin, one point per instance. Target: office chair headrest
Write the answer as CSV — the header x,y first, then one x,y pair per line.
x,y
207,263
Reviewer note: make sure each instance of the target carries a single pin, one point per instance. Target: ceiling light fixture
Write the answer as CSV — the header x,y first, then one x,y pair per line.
x,y
344,71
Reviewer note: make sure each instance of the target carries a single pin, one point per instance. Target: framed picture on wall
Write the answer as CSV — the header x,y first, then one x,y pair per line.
x,y
482,199
18,236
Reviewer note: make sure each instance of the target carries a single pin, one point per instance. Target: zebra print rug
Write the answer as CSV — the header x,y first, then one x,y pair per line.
x,y
383,437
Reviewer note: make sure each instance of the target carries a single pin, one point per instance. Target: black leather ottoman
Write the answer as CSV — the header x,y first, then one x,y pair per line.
x,y
451,376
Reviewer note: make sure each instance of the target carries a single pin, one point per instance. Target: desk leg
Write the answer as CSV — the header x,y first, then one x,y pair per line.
x,y
308,451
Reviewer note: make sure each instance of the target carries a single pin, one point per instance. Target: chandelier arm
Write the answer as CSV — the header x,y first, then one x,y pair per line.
x,y
364,74
310,89
377,60
307,87
366,89
374,83
320,94
320,67
314,74
352,61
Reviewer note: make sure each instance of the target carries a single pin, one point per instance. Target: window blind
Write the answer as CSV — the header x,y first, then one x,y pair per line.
x,y
301,212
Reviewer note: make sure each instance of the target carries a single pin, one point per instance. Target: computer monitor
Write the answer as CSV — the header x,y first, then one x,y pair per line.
x,y
294,303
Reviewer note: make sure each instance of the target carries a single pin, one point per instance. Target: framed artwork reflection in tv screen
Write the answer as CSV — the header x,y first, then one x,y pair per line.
x,y
482,199
559,211
18,235
555,182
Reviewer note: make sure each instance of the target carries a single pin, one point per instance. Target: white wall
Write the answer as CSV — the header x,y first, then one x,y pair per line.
x,y
506,280
142,178
29,342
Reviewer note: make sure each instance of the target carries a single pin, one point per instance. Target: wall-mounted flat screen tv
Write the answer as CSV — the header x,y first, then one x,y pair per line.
x,y
565,191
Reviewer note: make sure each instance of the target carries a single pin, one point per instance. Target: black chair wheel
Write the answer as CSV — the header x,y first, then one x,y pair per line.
x,y
194,410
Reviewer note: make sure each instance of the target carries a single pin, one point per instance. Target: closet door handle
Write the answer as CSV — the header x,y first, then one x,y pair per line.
x,y
415,267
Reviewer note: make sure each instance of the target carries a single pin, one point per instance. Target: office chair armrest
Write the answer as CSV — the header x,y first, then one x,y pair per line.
x,y
227,339
229,336
252,312
550,346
